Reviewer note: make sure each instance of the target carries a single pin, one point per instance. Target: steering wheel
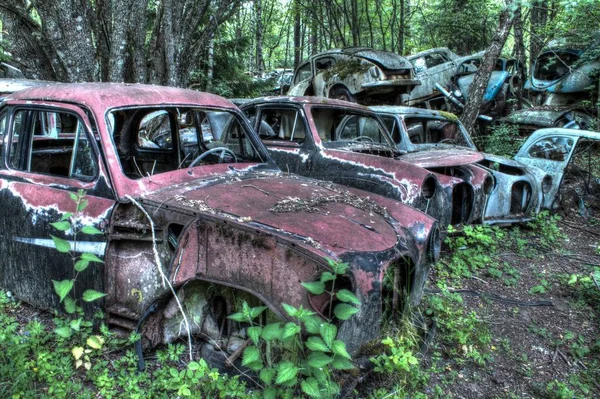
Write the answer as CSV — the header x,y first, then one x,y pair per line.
x,y
222,150
451,141
363,138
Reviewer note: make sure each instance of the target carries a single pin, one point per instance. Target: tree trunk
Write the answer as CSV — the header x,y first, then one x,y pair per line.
x,y
520,74
260,63
482,76
297,33
538,19
90,40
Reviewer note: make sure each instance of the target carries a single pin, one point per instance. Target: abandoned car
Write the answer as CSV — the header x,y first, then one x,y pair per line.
x,y
214,218
505,190
356,74
501,85
528,120
347,143
431,66
431,140
569,157
564,75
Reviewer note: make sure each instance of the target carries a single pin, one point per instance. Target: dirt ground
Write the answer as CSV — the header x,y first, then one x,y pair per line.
x,y
550,334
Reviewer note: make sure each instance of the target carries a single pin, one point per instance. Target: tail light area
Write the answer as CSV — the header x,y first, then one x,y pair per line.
x,y
520,197
462,203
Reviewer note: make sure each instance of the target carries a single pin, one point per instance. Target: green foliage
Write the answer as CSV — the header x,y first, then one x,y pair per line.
x,y
69,222
285,362
503,140
472,250
465,336
547,231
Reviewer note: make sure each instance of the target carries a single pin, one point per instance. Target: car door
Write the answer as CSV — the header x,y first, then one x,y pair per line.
x,y
48,155
551,153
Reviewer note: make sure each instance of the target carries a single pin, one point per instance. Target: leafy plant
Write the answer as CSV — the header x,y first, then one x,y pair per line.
x,y
283,360
503,140
69,223
473,250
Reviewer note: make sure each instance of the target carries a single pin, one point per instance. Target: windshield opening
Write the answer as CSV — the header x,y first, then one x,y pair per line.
x,y
150,141
336,125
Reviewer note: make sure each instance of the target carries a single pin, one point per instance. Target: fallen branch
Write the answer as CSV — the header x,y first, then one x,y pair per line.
x,y
165,279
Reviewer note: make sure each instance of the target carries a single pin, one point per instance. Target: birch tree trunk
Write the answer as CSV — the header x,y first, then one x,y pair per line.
x,y
482,76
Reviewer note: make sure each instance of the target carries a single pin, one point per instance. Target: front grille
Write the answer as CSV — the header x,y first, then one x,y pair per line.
x,y
520,196
462,203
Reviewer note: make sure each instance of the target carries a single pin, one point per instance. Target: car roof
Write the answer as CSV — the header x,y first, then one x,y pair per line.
x,y
386,59
445,50
303,100
401,110
110,95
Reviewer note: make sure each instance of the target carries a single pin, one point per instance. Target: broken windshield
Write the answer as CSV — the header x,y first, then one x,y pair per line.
x,y
157,140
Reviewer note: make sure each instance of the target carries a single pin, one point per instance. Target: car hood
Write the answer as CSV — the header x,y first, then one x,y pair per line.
x,y
442,158
537,116
316,212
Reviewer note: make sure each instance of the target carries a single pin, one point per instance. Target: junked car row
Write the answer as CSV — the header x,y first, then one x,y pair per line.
x,y
223,204
185,192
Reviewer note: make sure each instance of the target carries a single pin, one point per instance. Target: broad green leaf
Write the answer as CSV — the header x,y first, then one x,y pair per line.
x,y
251,354
91,295
290,383
256,366
82,205
254,333
290,310
270,393
310,386
312,324
70,306
193,366
91,230
290,330
66,216
272,331
74,197
77,352
286,371
95,342
315,287
339,348
62,288
328,332
316,344
81,265
91,257
238,317
318,359
255,312
341,363
327,276
267,374
347,296
64,332
63,225
75,324
343,311
340,268
61,245
573,279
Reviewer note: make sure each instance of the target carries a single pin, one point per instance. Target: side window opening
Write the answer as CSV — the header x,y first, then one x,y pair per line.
x,y
284,125
51,143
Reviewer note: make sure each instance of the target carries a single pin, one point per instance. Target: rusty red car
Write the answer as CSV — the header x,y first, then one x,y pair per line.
x,y
348,144
183,189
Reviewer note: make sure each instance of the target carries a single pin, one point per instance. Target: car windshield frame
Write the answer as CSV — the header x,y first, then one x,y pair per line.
x,y
251,150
